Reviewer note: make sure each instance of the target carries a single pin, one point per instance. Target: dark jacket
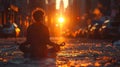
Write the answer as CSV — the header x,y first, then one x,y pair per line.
x,y
38,38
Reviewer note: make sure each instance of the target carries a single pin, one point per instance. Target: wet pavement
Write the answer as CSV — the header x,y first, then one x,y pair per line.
x,y
78,52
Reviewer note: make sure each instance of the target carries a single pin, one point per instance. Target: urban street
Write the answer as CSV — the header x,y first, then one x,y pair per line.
x,y
59,33
77,52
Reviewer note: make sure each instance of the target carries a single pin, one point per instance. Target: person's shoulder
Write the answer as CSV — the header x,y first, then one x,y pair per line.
x,y
45,27
31,26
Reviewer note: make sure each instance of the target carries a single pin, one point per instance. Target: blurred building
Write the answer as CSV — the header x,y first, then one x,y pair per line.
x,y
37,3
1,12
8,11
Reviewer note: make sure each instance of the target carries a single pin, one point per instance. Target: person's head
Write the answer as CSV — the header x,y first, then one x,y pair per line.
x,y
38,15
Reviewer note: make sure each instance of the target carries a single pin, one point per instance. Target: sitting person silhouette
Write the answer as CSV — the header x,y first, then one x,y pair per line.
x,y
37,37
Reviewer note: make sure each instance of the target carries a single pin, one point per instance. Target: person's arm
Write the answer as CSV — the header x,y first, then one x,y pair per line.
x,y
48,39
28,34
53,44
26,42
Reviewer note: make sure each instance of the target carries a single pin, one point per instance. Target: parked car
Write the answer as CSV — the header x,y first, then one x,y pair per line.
x,y
105,29
94,30
108,30
10,30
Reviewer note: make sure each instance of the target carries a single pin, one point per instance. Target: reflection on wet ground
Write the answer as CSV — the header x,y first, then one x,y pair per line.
x,y
88,54
76,53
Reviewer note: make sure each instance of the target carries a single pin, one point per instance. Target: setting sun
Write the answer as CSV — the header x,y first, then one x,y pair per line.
x,y
61,19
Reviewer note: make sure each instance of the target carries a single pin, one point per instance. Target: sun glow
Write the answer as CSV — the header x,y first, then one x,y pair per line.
x,y
61,19
58,4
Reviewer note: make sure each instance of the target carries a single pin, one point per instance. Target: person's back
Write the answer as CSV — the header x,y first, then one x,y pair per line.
x,y
37,37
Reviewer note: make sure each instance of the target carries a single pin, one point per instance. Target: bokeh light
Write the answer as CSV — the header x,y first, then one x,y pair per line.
x,y
61,19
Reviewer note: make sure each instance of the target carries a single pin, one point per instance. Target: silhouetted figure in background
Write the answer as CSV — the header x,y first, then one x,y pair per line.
x,y
37,37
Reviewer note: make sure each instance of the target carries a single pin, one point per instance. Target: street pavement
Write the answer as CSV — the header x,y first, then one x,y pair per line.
x,y
77,52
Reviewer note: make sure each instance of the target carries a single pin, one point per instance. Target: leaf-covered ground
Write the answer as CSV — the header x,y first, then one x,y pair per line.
x,y
76,53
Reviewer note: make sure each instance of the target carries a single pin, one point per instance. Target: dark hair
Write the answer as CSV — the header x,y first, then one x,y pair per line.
x,y
38,14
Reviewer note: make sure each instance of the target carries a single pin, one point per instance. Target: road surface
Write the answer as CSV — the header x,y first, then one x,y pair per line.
x,y
78,52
